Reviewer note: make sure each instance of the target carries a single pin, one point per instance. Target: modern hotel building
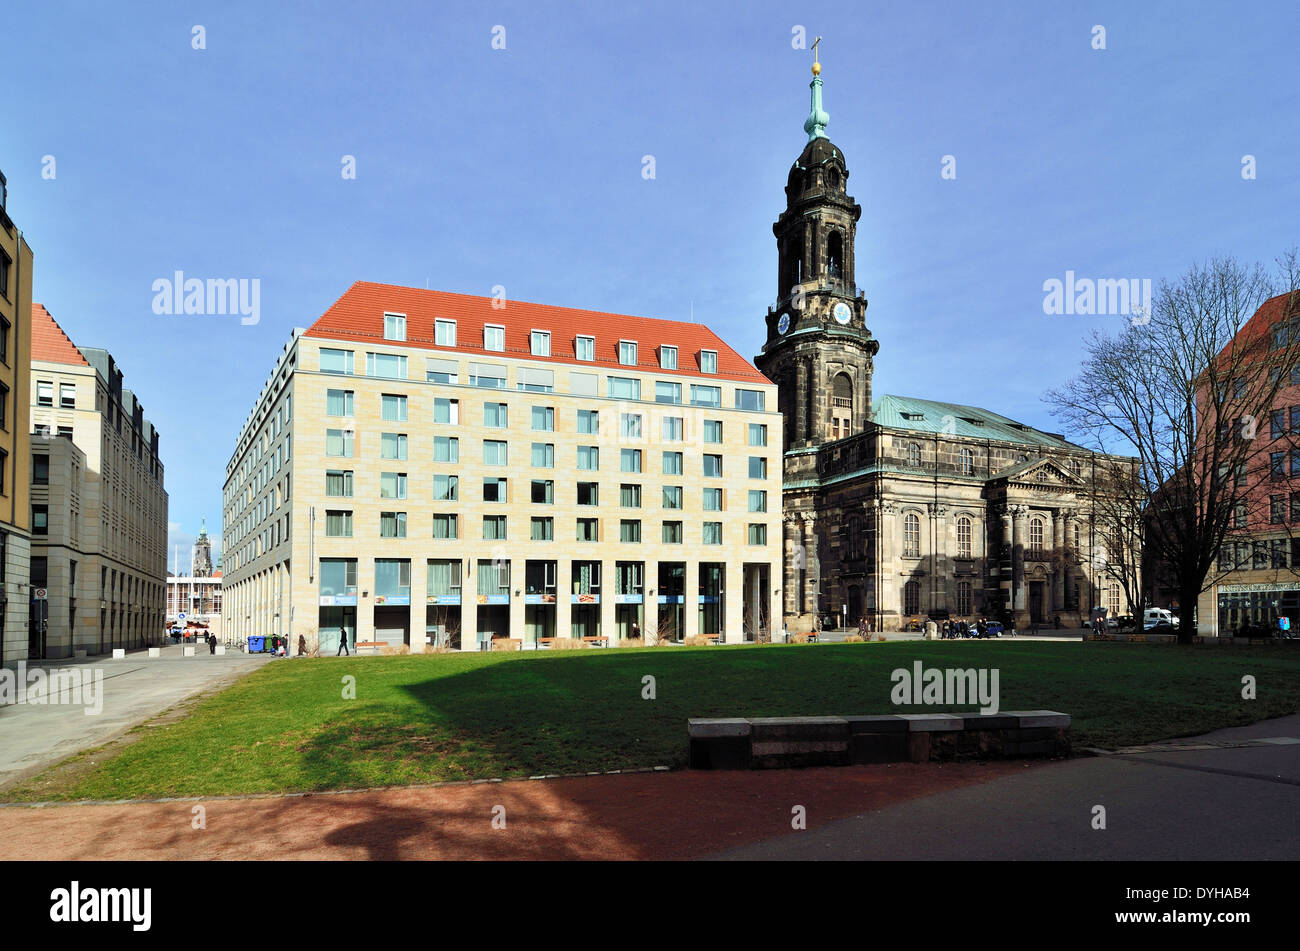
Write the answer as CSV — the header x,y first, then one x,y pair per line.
x,y
426,468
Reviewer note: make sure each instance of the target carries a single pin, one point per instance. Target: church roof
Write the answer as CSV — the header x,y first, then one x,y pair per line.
x,y
358,316
954,419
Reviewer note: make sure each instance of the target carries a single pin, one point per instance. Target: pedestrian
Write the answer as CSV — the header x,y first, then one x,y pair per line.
x,y
636,631
1056,622
302,645
212,643
343,644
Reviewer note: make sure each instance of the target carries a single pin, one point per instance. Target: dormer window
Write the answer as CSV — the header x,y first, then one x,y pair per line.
x,y
585,348
494,337
627,352
444,333
394,326
668,358
539,342
708,361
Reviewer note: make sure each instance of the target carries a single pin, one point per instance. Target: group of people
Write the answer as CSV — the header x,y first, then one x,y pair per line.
x,y
951,629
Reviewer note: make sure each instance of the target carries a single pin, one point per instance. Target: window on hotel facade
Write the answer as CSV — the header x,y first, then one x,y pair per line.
x,y
446,449
392,524
588,493
672,497
338,442
585,348
757,500
712,465
629,426
543,491
444,333
627,352
629,530
446,488
495,452
629,495
623,388
712,533
392,446
446,411
494,337
494,415
44,393
539,343
543,419
912,536
672,463
445,526
1239,514
388,365
339,402
494,527
543,455
392,485
706,395
588,458
757,467
335,361
666,392
394,327
393,408
668,357
757,434
757,534
588,530
708,361
588,422
494,489
713,500
338,523
671,533
713,430
338,483
750,400
542,528
1277,509
629,460
67,396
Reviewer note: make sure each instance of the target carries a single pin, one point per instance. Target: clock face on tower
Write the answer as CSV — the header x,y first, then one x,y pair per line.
x,y
842,312
783,325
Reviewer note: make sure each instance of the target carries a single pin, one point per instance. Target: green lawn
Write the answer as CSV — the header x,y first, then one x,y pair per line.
x,y
431,718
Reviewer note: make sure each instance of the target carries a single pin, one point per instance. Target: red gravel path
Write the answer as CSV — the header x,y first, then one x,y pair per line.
x,y
676,815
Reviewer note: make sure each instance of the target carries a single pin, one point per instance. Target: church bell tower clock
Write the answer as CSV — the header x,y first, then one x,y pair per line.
x,y
818,351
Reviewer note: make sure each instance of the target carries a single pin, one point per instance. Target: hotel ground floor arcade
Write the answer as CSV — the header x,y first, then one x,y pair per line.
x,y
465,601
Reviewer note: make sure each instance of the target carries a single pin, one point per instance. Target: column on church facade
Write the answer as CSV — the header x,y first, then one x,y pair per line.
x,y
1058,579
1020,517
792,542
938,526
1008,541
811,578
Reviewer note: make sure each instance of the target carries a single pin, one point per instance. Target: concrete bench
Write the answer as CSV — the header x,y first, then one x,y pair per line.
x,y
782,742
372,647
596,639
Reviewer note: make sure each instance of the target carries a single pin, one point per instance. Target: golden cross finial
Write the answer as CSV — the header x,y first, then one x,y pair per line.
x,y
817,66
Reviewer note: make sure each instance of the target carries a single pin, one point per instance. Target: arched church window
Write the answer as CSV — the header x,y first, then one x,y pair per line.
x,y
913,455
1036,534
912,598
912,535
963,537
967,462
835,254
833,178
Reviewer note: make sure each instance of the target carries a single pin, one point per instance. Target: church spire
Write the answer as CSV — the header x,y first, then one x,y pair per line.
x,y
815,124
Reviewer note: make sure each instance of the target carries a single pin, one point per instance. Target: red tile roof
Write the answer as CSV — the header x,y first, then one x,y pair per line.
x,y
358,316
49,342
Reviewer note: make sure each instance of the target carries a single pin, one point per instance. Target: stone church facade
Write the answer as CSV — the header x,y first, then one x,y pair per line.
x,y
900,509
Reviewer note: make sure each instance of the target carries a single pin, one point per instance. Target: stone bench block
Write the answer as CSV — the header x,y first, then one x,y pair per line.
x,y
187,651
989,721
798,728
1033,718
119,653
719,743
933,722
155,652
890,723
879,747
221,649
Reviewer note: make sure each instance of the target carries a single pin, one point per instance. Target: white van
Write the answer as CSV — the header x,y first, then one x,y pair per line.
x,y
1155,615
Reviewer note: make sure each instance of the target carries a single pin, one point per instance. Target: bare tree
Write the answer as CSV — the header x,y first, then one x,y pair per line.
x,y
1119,526
1183,390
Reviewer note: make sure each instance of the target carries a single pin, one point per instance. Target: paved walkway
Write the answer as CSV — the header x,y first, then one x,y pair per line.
x,y
1238,800
33,736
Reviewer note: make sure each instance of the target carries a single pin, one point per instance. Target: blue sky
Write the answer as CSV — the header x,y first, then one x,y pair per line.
x,y
522,168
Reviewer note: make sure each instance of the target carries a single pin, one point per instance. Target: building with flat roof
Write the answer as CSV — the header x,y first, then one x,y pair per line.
x,y
432,468
99,514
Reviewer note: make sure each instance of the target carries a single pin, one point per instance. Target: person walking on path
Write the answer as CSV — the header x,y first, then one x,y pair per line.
x,y
343,644
302,645
212,643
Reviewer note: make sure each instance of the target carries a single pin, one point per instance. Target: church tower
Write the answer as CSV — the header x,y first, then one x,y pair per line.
x,y
201,566
818,350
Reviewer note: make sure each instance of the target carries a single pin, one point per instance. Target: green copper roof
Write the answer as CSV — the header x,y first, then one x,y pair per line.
x,y
927,416
815,124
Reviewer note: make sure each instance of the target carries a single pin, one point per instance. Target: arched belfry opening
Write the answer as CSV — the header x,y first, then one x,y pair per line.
x,y
835,256
841,408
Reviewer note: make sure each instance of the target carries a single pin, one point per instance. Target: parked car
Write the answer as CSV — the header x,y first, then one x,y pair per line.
x,y
1158,626
1156,614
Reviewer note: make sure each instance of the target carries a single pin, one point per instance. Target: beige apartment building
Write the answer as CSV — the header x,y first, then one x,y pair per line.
x,y
431,468
15,474
99,508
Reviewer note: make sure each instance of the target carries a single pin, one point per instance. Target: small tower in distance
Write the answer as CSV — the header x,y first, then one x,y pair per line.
x,y
202,566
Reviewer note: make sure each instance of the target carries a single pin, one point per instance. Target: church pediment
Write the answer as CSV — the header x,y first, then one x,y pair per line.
x,y
1046,473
